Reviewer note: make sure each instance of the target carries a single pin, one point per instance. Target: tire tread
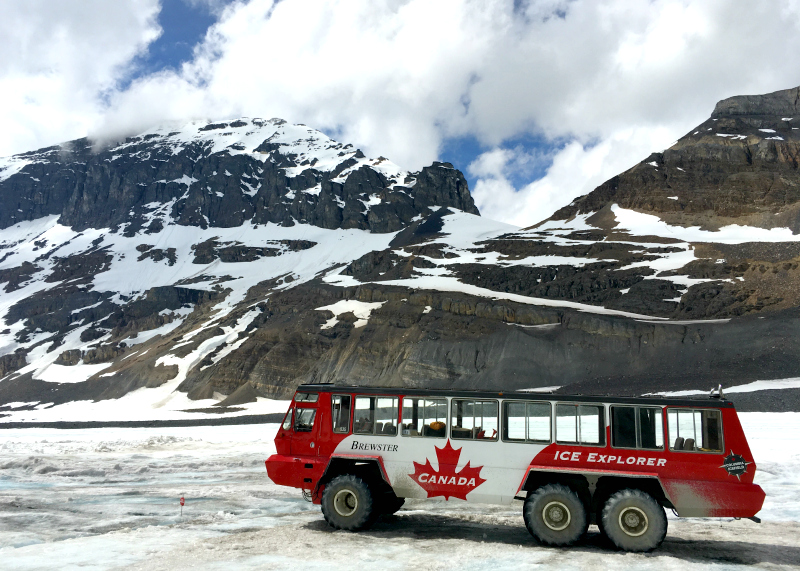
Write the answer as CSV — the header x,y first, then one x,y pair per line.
x,y
652,508
540,531
368,508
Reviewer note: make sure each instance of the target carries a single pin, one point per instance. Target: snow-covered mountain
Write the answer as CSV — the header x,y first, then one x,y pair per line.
x,y
204,267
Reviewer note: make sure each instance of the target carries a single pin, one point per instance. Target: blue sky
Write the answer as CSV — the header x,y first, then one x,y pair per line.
x,y
184,24
536,101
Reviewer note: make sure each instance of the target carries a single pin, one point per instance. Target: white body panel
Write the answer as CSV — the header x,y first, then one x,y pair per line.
x,y
502,465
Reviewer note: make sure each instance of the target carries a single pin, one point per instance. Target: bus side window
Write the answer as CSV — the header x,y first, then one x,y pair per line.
x,y
580,424
375,415
623,427
651,428
474,419
637,427
340,405
424,417
526,421
695,430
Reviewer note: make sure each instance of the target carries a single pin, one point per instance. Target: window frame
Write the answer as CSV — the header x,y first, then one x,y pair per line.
x,y
527,440
603,440
397,418
454,400
637,426
698,451
306,397
431,398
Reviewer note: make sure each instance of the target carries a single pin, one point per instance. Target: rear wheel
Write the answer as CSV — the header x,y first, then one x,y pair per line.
x,y
555,515
348,503
634,521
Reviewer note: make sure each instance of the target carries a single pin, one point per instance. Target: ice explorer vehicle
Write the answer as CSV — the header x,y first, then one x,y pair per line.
x,y
572,460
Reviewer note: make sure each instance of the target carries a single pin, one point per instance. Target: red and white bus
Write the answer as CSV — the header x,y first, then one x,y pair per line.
x,y
574,460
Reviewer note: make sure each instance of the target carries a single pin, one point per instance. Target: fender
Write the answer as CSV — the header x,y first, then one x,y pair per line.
x,y
352,457
617,473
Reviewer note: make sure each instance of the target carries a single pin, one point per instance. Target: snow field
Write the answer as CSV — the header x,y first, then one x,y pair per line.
x,y
128,276
108,498
361,309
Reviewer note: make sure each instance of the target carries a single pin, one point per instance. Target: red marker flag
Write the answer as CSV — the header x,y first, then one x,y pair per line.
x,y
182,501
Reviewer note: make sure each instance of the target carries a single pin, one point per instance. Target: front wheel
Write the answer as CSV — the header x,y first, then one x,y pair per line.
x,y
555,515
634,521
348,503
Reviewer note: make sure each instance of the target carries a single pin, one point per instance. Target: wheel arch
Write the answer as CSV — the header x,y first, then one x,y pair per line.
x,y
368,468
594,488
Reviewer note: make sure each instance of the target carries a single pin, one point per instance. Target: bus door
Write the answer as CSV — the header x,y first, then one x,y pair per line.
x,y
305,425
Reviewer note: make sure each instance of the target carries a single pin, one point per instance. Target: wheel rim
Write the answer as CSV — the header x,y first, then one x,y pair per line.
x,y
633,521
345,503
556,516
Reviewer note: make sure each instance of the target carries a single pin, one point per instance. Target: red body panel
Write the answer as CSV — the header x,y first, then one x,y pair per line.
x,y
696,483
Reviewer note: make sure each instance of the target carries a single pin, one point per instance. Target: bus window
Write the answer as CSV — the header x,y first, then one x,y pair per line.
x,y
526,421
306,397
304,419
580,424
340,407
287,420
651,428
695,430
623,426
425,417
375,415
473,419
637,427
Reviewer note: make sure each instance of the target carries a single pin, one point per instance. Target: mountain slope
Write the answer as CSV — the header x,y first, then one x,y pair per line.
x,y
204,267
738,167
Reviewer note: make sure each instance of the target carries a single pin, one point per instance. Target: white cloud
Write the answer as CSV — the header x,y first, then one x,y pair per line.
x,y
575,170
612,78
59,62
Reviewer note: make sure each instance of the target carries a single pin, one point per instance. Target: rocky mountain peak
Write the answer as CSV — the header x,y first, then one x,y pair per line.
x,y
739,167
222,174
784,103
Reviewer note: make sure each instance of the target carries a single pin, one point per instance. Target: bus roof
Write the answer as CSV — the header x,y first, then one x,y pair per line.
x,y
518,395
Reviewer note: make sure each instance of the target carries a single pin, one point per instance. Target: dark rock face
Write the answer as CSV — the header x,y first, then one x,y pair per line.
x,y
785,103
741,166
210,250
159,179
470,342
14,277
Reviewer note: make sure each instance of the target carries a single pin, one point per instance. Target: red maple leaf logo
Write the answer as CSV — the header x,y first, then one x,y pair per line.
x,y
446,481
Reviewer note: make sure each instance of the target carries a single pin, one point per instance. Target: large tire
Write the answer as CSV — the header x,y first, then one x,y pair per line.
x,y
348,503
555,515
634,521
